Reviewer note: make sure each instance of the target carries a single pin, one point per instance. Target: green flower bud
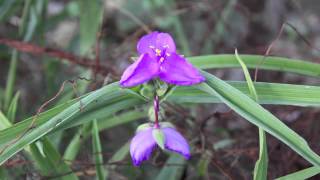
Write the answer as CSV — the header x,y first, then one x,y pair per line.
x,y
159,137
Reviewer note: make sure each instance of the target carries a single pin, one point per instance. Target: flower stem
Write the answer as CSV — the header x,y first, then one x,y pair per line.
x,y
156,110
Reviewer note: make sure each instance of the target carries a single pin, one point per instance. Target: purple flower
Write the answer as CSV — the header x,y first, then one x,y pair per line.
x,y
145,141
158,59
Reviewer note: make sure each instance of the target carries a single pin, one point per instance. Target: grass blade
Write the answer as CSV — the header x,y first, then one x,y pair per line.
x,y
173,168
54,157
97,151
261,166
269,93
11,148
301,175
90,19
252,61
74,146
12,110
257,115
103,124
11,79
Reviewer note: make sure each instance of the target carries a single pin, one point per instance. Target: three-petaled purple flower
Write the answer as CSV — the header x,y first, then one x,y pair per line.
x,y
158,59
145,141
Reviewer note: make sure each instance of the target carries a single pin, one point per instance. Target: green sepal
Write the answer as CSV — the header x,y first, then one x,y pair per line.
x,y
147,91
144,126
159,137
134,58
162,89
166,125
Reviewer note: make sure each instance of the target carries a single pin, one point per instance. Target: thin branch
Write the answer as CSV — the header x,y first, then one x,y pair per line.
x,y
37,50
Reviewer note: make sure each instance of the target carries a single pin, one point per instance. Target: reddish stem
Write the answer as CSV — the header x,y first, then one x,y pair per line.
x,y
156,111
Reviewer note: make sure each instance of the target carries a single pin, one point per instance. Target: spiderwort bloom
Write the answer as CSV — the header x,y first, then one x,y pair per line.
x,y
158,59
148,137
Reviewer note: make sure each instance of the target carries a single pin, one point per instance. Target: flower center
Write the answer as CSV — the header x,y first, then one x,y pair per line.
x,y
161,54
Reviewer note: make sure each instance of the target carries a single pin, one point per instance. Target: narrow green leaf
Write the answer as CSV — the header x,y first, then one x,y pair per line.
x,y
97,152
62,118
90,19
4,173
45,168
252,61
74,146
12,110
120,154
301,175
11,79
252,89
103,124
15,55
4,121
9,134
261,166
54,157
269,93
257,115
173,168
6,6
203,163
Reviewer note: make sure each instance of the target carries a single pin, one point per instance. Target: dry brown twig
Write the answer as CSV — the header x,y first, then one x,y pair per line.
x,y
267,53
37,50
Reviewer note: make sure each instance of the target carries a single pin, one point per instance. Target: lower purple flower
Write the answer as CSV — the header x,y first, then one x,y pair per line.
x,y
144,142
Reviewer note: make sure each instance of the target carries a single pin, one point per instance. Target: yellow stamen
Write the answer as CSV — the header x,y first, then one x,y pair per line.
x,y
158,52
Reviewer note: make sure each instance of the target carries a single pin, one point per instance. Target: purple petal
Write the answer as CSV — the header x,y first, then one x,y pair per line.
x,y
177,70
144,69
156,40
141,146
174,141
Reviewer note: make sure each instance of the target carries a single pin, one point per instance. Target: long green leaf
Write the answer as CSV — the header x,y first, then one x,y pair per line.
x,y
253,61
75,144
97,152
9,134
173,168
251,87
61,119
4,121
12,110
301,175
41,163
103,124
90,19
269,93
53,157
261,166
7,6
257,115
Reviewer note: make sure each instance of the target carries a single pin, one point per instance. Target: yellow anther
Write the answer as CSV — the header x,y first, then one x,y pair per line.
x,y
158,52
